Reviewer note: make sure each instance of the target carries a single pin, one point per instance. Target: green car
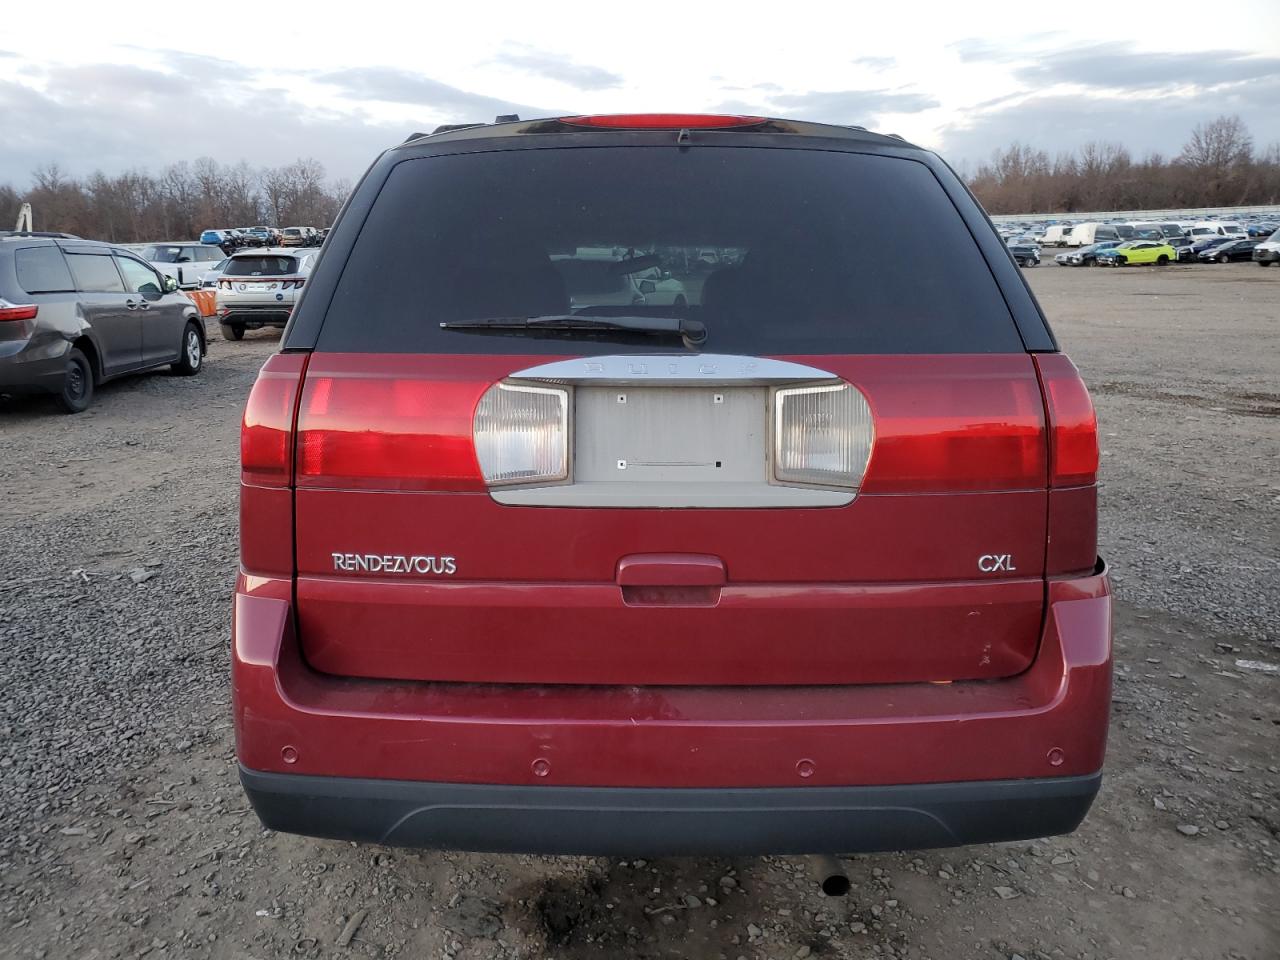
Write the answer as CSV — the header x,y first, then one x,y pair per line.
x,y
1138,251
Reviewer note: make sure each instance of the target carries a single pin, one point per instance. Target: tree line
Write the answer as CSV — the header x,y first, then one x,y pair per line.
x,y
179,202
1217,167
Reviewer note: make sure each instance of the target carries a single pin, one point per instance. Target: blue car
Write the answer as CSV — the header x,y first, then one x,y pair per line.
x,y
213,237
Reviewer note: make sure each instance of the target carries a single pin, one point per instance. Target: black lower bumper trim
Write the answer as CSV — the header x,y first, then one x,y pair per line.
x,y
648,821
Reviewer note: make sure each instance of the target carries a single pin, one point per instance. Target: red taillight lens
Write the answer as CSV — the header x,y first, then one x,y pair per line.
x,y
266,432
386,431
1073,424
10,311
662,121
952,423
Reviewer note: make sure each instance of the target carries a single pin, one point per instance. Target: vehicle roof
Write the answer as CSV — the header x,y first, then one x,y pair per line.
x,y
36,235
558,125
71,243
272,252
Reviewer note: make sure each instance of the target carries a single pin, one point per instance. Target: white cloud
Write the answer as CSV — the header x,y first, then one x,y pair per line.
x,y
325,79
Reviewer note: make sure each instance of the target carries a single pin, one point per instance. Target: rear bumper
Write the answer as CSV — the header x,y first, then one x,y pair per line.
x,y
30,367
787,769
255,315
620,821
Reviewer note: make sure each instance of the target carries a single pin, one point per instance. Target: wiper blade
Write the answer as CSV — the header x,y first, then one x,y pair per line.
x,y
693,332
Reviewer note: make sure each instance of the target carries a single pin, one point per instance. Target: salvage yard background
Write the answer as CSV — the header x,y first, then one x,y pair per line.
x,y
124,833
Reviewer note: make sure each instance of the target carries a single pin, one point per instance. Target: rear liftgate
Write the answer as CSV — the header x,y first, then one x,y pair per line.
x,y
681,519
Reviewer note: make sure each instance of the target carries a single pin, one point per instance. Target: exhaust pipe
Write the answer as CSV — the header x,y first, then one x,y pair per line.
x,y
830,875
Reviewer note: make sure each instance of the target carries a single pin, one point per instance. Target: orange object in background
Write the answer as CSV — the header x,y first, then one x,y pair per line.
x,y
206,300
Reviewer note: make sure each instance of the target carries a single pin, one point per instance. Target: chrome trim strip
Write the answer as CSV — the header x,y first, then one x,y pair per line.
x,y
674,370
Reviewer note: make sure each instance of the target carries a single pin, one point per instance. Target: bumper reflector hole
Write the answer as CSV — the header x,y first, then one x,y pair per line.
x,y
805,768
541,767
289,755
1056,756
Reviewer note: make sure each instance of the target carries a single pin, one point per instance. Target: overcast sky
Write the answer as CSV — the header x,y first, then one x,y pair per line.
x,y
99,86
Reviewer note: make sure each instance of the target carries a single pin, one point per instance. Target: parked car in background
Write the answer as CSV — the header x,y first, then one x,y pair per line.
x,y
293,237
185,262
1262,231
1267,251
1217,228
209,278
1024,250
228,241
1233,249
521,576
258,288
1085,256
1150,230
1200,244
76,313
1087,234
1058,235
264,236
1135,252
1183,247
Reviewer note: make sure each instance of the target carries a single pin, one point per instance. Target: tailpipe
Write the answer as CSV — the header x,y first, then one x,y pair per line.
x,y
830,875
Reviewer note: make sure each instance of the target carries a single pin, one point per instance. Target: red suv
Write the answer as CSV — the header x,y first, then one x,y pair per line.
x,y
802,562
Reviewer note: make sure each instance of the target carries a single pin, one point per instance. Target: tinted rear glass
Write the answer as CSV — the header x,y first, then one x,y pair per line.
x,y
775,250
261,266
42,270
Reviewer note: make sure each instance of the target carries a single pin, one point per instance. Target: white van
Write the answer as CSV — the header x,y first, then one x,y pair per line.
x,y
1059,235
1217,228
1083,234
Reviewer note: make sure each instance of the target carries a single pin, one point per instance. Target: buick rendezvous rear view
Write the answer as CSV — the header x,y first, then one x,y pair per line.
x,y
629,485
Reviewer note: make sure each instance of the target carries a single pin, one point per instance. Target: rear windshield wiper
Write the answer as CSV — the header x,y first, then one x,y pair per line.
x,y
693,332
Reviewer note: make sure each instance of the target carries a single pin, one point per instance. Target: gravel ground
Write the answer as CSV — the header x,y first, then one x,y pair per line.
x,y
124,833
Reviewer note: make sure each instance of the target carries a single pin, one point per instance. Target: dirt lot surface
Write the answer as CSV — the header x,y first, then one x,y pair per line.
x,y
124,833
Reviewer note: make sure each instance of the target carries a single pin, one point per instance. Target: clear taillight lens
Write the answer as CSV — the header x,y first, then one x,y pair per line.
x,y
821,436
522,434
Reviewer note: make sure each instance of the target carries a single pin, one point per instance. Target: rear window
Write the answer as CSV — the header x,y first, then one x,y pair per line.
x,y
261,266
42,270
775,250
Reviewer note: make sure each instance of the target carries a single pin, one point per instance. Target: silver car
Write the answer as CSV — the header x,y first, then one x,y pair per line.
x,y
258,288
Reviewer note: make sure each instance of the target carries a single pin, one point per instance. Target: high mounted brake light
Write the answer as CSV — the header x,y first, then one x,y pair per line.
x,y
662,121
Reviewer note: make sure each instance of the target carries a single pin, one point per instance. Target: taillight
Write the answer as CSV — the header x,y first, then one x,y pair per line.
x,y
266,432
1073,424
522,434
822,435
384,431
662,121
15,311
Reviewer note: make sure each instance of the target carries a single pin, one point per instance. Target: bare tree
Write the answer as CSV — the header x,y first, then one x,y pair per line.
x,y
1218,145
